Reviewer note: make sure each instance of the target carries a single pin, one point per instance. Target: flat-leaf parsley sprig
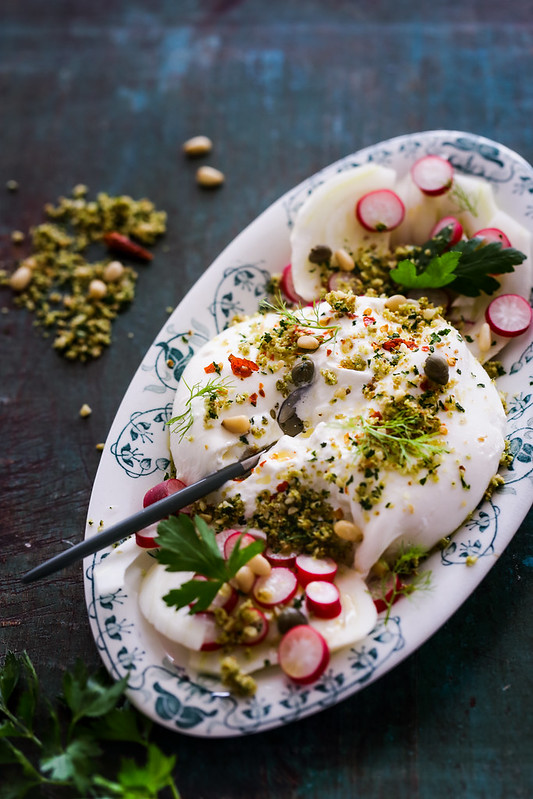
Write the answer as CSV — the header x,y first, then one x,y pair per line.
x,y
186,545
66,747
467,267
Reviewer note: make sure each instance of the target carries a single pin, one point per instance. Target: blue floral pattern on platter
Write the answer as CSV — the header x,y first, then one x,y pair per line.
x,y
136,457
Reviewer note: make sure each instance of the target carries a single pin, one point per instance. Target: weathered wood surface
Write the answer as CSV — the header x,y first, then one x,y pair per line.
x,y
105,93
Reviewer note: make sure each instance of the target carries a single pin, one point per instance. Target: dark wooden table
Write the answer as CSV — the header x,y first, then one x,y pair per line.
x,y
104,94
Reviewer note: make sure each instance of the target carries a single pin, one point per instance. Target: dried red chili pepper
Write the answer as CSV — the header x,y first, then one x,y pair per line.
x,y
241,367
120,243
213,367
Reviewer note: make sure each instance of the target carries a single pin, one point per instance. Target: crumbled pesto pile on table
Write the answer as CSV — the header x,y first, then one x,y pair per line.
x,y
73,299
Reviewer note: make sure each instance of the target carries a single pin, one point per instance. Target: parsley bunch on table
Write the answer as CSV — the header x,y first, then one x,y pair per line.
x,y
46,748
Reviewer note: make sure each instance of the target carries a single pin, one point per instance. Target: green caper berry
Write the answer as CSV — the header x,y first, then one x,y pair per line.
x,y
436,369
320,254
289,618
302,372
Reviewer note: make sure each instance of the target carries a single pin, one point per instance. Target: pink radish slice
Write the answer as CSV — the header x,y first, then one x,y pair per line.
x,y
303,654
380,210
344,281
146,538
280,558
509,315
162,490
287,286
256,629
492,234
432,174
276,588
309,569
437,297
382,594
232,540
323,599
448,221
211,631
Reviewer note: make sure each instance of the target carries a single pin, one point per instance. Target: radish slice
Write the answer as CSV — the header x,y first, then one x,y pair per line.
x,y
280,558
509,315
276,588
380,210
146,538
382,592
309,569
323,599
448,221
256,628
231,542
162,490
287,286
345,281
303,654
211,631
492,234
432,174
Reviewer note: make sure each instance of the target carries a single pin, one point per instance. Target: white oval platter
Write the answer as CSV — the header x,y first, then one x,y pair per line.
x,y
136,457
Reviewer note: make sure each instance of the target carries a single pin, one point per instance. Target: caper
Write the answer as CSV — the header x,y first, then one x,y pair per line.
x,y
289,618
302,372
436,369
320,254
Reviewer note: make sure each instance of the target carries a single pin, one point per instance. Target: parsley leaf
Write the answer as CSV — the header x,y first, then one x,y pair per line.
x,y
467,268
187,545
439,272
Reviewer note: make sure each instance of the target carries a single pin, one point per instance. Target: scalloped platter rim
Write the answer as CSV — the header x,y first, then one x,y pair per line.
x,y
136,457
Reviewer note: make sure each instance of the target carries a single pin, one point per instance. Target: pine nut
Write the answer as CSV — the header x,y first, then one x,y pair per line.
x,y
97,289
394,302
240,425
113,271
209,177
308,343
198,145
245,578
348,531
484,337
20,279
344,260
259,565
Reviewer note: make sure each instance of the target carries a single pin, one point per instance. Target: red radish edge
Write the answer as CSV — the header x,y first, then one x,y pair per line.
x,y
492,234
309,569
448,221
146,538
162,490
509,315
287,286
231,542
280,558
380,210
432,174
276,588
340,281
323,599
210,643
303,654
384,603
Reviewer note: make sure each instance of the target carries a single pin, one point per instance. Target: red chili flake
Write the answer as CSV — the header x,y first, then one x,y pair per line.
x,y
424,384
394,343
282,487
241,367
261,390
116,241
425,348
213,367
376,414
368,320
253,399
328,352
262,463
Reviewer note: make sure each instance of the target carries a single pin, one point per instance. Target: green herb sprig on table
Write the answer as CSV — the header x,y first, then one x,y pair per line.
x,y
45,748
187,545
467,267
